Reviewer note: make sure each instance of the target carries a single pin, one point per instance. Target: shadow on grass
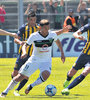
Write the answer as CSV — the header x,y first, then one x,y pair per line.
x,y
53,97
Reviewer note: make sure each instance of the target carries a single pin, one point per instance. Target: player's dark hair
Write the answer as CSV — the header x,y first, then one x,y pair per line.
x,y
31,14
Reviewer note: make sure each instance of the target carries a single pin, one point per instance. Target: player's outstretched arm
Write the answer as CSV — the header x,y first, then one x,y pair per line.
x,y
77,35
65,29
61,49
3,32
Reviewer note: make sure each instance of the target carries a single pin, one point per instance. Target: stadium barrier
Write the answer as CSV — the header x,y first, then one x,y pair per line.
x,y
71,46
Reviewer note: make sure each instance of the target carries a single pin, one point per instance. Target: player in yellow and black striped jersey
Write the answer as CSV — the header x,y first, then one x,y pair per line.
x,y
24,32
82,61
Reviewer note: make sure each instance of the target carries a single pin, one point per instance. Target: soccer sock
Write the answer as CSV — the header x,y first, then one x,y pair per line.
x,y
76,81
38,81
22,83
68,77
10,86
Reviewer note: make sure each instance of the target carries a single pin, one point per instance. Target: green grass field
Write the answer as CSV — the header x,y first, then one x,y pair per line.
x,y
57,78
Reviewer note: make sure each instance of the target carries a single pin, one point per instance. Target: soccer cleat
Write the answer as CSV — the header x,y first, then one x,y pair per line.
x,y
3,95
66,83
16,93
28,89
65,91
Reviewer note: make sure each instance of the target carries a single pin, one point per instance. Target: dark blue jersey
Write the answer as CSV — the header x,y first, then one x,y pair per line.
x,y
86,28
24,32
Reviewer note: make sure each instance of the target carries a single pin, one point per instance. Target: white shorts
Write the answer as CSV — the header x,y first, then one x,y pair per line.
x,y
30,67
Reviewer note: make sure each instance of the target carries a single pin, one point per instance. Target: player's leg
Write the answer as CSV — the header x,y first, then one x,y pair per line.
x,y
12,84
18,65
25,71
77,65
70,74
45,70
77,80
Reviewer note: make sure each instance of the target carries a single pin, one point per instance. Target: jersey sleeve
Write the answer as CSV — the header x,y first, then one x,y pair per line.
x,y
85,28
30,39
21,31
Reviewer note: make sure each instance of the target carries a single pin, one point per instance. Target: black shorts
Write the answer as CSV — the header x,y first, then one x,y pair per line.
x,y
20,62
82,60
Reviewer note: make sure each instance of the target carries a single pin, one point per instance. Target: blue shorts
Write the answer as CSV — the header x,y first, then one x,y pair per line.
x,y
20,62
82,60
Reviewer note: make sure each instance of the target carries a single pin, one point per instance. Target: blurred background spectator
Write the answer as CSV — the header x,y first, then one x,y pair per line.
x,y
37,10
70,20
59,9
83,11
50,11
2,16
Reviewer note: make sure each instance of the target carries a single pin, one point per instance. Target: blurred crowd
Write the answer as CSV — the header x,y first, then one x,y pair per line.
x,y
54,11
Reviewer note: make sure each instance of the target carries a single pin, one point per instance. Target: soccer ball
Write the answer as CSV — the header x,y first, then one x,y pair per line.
x,y
50,90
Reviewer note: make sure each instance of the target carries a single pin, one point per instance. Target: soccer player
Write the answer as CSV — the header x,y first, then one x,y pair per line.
x,y
40,59
24,32
3,32
82,61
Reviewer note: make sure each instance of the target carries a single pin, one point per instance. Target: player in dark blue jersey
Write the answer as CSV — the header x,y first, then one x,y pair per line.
x,y
24,32
82,61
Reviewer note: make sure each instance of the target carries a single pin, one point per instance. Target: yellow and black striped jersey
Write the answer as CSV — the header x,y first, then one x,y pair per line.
x,y
86,28
24,32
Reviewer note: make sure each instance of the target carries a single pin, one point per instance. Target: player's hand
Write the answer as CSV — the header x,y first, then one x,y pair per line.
x,y
14,35
24,55
22,43
62,57
65,29
81,38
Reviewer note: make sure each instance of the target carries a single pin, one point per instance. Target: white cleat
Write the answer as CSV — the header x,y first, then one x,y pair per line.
x,y
16,93
3,95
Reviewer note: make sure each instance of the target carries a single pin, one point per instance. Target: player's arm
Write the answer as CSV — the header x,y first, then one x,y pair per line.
x,y
65,29
61,49
78,36
3,32
80,31
20,34
24,53
18,41
28,43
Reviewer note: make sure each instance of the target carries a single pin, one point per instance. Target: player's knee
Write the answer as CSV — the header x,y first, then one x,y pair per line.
x,y
19,77
45,74
14,73
86,71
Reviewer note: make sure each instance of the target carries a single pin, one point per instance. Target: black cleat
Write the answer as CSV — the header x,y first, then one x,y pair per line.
x,y
28,89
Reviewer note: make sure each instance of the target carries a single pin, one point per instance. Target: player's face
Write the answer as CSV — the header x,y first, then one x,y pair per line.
x,y
32,21
45,29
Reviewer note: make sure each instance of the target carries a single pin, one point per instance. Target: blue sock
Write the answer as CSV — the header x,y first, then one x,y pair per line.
x,y
76,81
22,83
